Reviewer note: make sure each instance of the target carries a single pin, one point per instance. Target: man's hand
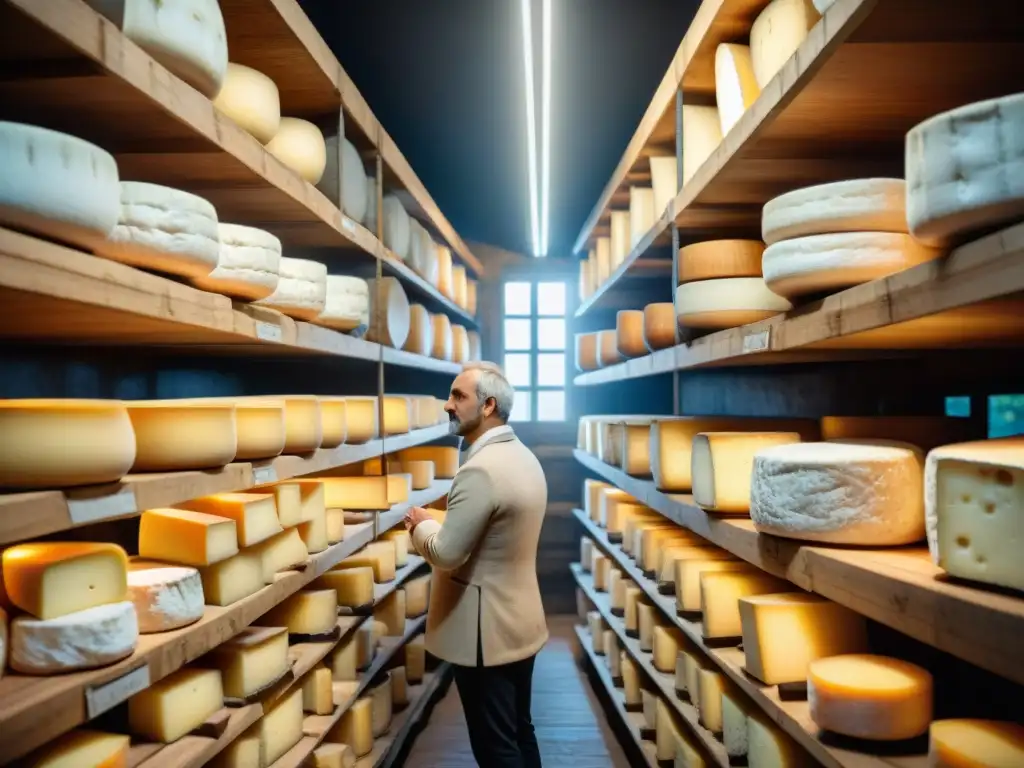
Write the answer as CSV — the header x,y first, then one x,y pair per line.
x,y
415,516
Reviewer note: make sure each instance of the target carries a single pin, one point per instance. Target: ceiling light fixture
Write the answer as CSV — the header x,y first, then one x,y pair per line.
x,y
545,136
531,124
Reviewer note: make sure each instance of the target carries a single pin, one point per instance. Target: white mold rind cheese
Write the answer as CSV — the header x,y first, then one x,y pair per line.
x,y
397,227
164,229
248,263
856,205
57,185
301,291
95,637
166,597
862,492
355,192
347,304
965,171
727,302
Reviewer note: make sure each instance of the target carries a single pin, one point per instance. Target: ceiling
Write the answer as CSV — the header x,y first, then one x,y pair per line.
x,y
445,78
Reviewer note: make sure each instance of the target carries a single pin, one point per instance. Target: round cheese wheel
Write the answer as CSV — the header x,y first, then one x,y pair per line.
x,y
857,205
735,84
57,185
422,251
248,263
441,348
444,270
252,100
259,425
301,290
347,304
58,443
389,313
777,33
471,296
333,421
354,184
820,264
89,639
608,348
720,258
629,332
397,227
659,325
475,348
174,435
303,423
362,421
965,743
726,303
460,344
165,596
300,145
964,171
586,352
421,332
459,285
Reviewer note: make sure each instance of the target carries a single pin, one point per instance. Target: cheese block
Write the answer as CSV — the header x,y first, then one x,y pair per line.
x,y
57,185
702,133
715,259
693,663
596,626
82,747
608,348
444,270
631,686
672,442
55,443
586,352
674,553
586,553
353,586
165,597
301,290
391,613
317,693
280,553
641,214
721,463
768,746
389,312
735,83
613,656
647,619
355,187
710,685
593,492
736,709
727,303
776,34
853,492
973,497
88,639
172,435
629,333
603,254
855,205
963,742
251,660
664,182
346,303
379,555
397,415
632,601
361,420
355,493
422,473
460,344
186,537
303,423
255,514
819,264
441,329
600,568
417,596
53,579
252,100
352,654
688,574
334,756
617,509
619,246
170,708
650,711
164,229
459,285
307,612
679,676
659,326
356,727
926,432
666,642
963,171
281,728
667,733
784,633
314,532
248,263
605,509
333,421
415,659
719,598
869,697
616,584
444,457
228,581
380,694
300,145
287,501
471,296
634,449
243,752
650,542
402,542
421,331
397,227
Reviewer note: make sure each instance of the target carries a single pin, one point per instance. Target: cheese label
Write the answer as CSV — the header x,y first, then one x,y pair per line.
x,y
105,696
268,331
264,475
757,341
105,507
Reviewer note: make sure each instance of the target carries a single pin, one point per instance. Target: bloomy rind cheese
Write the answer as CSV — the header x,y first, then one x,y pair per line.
x,y
165,597
355,190
301,290
966,743
727,303
397,227
716,259
95,637
248,263
252,100
389,312
300,145
347,303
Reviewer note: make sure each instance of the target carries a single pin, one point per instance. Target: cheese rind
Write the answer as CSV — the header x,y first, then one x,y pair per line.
x,y
735,711
355,190
629,333
776,34
968,743
279,553
252,100
95,637
301,290
727,303
307,612
317,696
347,303
717,259
186,537
735,84
721,464
83,747
165,597
175,435
300,145
389,312
420,338
248,263
251,660
260,429
659,326
228,581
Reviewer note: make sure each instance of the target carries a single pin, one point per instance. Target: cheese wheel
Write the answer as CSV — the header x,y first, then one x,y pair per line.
x,y
459,285
827,263
441,348
303,422
862,492
248,263
301,291
776,34
444,270
870,697
173,435
664,182
475,346
397,227
735,84
857,205
95,637
603,252
641,214
164,229
460,344
975,744
361,419
586,352
720,259
726,303
58,443
252,100
702,133
964,171
471,287
346,303
420,338
629,333
165,596
300,145
355,194
389,313
57,185
659,326
259,428
333,421
423,252
619,240
607,348
721,464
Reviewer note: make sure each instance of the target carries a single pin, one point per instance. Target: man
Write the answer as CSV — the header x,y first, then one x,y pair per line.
x,y
485,615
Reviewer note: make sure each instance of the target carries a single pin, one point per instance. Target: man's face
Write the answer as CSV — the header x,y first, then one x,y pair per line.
x,y
464,409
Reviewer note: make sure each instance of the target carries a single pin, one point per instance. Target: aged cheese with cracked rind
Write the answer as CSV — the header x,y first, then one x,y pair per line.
x,y
300,145
165,596
721,464
968,743
301,290
248,263
82,747
228,581
727,303
347,303
717,259
252,100
735,84
174,435
702,133
255,514
776,34
251,660
186,537
389,312
95,637
659,325
862,492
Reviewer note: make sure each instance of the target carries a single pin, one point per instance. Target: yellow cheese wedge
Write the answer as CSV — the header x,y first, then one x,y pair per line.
x,y
255,514
768,746
380,696
601,568
719,598
228,581
356,727
251,660
307,612
243,752
314,532
666,644
710,685
402,542
287,502
668,732
631,682
353,586
353,493
975,744
673,553
650,710
379,555
736,710
335,521
281,727
694,662
84,747
172,707
279,553
317,692
631,606
648,617
186,537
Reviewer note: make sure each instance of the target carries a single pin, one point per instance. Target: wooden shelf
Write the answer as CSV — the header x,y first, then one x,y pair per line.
x,y
971,298
632,721
663,682
633,275
898,587
793,716
37,513
195,751
34,710
100,86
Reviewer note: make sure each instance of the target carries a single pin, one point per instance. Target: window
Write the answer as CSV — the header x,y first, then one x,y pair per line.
x,y
534,335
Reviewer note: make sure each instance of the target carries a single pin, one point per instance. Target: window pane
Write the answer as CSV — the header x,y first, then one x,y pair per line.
x,y
551,405
550,333
551,299
517,334
517,299
551,370
521,410
517,370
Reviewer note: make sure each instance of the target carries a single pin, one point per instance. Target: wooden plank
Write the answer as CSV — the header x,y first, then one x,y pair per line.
x,y
900,588
195,751
34,710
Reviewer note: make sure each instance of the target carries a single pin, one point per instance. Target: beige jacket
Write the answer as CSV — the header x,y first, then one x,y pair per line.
x,y
484,556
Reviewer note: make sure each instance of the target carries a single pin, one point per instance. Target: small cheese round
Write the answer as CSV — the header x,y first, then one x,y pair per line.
x,y
355,195
300,145
608,348
174,435
459,285
866,492
421,331
57,185
659,325
714,259
248,263
967,743
397,227
827,263
165,596
301,289
252,100
629,332
869,697
856,205
347,305
95,637
586,352
726,303
441,348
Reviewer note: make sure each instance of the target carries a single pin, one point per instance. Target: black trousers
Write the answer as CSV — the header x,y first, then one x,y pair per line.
x,y
496,701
